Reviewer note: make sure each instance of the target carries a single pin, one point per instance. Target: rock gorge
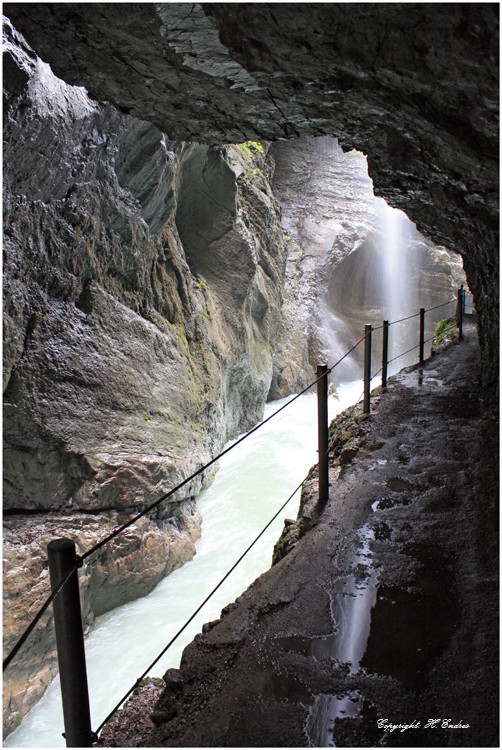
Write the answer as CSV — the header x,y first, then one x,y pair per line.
x,y
160,282
413,86
129,358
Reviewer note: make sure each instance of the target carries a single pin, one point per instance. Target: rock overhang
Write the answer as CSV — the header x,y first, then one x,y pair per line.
x,y
414,86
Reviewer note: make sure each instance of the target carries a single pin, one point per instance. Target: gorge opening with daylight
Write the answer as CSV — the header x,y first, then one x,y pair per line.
x,y
202,204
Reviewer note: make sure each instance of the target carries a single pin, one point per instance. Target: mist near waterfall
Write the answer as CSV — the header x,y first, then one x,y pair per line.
x,y
389,275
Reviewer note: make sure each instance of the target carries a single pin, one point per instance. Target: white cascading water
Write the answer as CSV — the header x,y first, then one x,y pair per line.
x,y
253,482
390,276
353,598
399,293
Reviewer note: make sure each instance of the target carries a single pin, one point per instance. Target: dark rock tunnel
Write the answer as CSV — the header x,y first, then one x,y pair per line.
x,y
415,87
412,86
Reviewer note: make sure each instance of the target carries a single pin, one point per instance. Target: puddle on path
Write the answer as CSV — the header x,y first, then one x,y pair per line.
x,y
324,712
353,598
389,502
382,531
421,378
396,484
410,628
380,462
378,628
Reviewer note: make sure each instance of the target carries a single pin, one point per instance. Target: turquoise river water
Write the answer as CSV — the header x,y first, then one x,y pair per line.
x,y
253,481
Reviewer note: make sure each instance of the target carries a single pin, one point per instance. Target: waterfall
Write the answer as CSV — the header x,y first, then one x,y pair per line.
x,y
389,273
395,267
398,292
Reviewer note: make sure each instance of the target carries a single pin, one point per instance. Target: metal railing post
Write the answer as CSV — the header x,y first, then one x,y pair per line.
x,y
459,314
367,368
422,336
70,644
322,431
385,353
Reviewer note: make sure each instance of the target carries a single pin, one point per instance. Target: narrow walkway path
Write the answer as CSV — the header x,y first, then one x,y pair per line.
x,y
385,613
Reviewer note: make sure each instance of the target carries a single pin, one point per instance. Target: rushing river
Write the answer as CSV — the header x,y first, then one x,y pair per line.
x,y
254,480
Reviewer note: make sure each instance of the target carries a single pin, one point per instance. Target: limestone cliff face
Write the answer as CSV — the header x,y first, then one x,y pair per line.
x,y
351,259
413,86
141,299
142,304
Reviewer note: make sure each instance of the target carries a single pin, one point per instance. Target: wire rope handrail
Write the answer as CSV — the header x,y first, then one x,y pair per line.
x,y
120,529
80,558
408,351
416,315
436,307
196,612
180,485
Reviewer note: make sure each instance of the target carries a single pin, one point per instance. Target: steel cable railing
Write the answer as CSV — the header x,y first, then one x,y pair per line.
x,y
403,354
188,479
149,508
208,597
443,304
120,529
152,506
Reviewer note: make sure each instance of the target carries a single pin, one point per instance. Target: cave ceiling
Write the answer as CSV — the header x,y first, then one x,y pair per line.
x,y
413,86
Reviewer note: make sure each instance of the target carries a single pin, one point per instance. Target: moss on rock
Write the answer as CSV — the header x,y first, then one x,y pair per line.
x,y
446,331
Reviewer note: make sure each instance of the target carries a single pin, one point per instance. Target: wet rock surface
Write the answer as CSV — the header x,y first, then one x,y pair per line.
x,y
421,571
129,359
413,86
132,722
341,244
128,568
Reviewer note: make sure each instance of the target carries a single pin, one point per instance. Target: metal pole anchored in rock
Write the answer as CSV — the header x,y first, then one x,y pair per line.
x,y
459,314
367,368
385,353
422,336
70,644
322,431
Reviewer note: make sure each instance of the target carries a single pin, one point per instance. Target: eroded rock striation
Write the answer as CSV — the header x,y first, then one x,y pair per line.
x,y
140,299
142,304
415,87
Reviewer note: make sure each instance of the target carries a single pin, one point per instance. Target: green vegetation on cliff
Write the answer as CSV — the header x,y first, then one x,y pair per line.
x,y
445,332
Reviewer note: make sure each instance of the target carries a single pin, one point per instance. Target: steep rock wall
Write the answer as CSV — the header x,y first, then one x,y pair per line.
x,y
122,339
413,86
138,338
